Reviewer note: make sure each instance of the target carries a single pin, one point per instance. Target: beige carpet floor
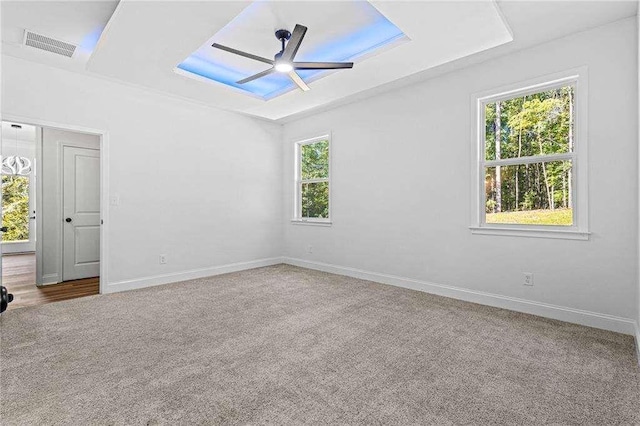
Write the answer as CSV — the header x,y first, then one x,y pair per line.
x,y
285,345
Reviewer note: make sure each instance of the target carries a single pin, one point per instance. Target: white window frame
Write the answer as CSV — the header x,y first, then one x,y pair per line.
x,y
298,181
580,229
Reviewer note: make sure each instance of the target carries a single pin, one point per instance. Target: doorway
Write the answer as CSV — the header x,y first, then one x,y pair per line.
x,y
53,251
18,187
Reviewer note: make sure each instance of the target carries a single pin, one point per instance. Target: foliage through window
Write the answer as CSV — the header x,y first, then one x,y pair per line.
x,y
529,158
312,180
15,208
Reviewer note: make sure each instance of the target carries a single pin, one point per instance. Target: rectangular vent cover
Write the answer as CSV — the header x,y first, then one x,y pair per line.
x,y
49,44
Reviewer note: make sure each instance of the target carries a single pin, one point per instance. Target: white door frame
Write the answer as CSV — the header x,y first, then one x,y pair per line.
x,y
104,189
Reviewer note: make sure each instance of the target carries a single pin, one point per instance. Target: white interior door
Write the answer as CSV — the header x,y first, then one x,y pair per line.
x,y
81,213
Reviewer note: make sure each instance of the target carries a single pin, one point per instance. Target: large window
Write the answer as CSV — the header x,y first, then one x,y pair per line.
x,y
312,180
528,143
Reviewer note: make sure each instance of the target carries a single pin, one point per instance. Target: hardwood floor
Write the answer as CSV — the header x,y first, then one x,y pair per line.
x,y
19,276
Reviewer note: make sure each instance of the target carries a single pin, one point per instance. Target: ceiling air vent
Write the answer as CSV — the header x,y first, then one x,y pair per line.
x,y
49,44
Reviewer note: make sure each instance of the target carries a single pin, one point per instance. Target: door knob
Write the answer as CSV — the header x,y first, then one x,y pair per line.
x,y
4,229
68,220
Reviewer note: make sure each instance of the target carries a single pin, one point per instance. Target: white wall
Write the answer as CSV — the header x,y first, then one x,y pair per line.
x,y
401,185
50,212
198,184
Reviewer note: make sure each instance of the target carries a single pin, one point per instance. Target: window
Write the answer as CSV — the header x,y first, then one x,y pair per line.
x,y
312,181
15,205
529,145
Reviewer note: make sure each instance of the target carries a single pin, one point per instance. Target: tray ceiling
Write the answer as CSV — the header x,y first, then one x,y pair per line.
x,y
143,42
357,30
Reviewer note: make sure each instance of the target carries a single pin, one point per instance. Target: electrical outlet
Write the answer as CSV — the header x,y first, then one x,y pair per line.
x,y
528,278
163,259
309,249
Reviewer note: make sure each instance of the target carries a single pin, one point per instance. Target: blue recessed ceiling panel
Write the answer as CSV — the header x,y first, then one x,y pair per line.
x,y
348,31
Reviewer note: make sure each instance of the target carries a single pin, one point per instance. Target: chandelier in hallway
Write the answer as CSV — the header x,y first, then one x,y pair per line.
x,y
16,164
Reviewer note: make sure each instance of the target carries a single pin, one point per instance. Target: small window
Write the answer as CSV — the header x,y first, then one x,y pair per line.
x,y
312,180
527,143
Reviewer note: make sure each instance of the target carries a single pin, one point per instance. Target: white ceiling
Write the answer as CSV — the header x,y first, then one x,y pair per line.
x,y
345,31
145,40
76,22
172,31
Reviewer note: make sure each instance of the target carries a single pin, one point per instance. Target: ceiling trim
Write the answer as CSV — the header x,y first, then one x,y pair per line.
x,y
141,88
105,33
503,18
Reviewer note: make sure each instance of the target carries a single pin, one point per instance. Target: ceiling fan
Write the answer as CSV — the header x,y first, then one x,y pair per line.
x,y
283,61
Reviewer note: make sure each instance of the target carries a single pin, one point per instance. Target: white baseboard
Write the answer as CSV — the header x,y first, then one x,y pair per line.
x,y
638,341
562,313
49,279
188,275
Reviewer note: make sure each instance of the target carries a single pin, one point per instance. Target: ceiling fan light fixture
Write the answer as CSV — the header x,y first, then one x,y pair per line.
x,y
15,165
284,66
284,61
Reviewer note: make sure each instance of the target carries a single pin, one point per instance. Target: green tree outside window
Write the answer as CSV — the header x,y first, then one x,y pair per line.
x,y
314,180
15,208
538,124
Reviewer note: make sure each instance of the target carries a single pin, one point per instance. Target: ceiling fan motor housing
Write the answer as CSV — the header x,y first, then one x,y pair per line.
x,y
283,34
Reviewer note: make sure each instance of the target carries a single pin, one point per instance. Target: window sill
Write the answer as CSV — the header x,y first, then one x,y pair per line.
x,y
310,222
562,234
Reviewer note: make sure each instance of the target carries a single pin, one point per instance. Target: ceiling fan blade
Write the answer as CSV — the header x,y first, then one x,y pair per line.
x,y
294,43
322,65
298,80
241,53
255,76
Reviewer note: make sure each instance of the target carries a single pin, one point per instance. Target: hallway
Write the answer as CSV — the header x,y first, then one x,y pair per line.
x,y
19,276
